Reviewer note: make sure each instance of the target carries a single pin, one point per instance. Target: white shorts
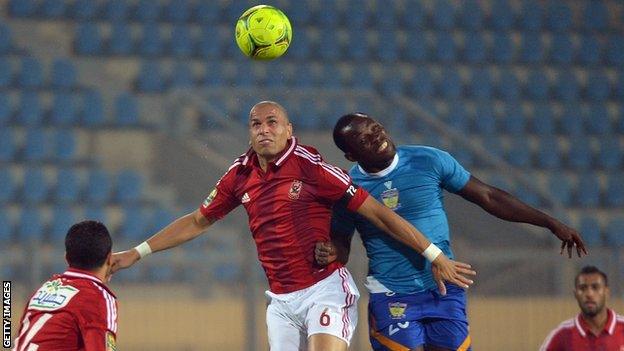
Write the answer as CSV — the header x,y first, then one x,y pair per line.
x,y
329,307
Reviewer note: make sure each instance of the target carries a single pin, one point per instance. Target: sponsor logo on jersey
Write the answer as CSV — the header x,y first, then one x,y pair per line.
x,y
210,197
110,342
245,199
390,198
52,295
397,309
295,189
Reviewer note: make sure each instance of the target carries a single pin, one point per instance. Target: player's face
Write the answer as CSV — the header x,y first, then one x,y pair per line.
x,y
368,143
269,131
591,293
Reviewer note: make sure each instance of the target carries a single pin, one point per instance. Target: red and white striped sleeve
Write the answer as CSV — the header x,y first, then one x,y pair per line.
x,y
98,321
555,341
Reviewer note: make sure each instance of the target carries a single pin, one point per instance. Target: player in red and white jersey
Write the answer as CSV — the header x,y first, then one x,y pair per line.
x,y
74,311
596,327
288,192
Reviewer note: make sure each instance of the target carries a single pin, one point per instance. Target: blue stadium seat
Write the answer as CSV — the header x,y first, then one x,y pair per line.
x,y
126,110
590,52
474,48
151,43
531,16
609,153
443,16
116,10
7,185
22,8
329,14
68,187
566,87
358,14
543,121
36,146
300,49
613,232
207,12
384,16
614,194
30,229
422,85
92,109
31,73
6,39
445,48
480,86
416,49
531,50
6,110
227,273
519,152
560,188
471,15
562,49
572,121
120,41
6,231
364,78
178,11
150,78
35,187
331,50
548,154
595,15
597,119
84,10
88,39
62,219
537,86
161,218
392,83
508,87
456,116
618,85
590,230
54,9
234,9
29,113
334,78
559,17
64,145
7,145
588,190
6,72
484,120
181,43
413,16
527,195
615,50
129,187
181,76
63,74
579,155
598,89
501,15
389,51
450,85
147,11
134,226
210,47
359,51
512,120
98,188
63,109
502,48
95,213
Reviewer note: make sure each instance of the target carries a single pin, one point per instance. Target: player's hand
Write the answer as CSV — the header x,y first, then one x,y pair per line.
x,y
570,239
325,253
446,270
123,259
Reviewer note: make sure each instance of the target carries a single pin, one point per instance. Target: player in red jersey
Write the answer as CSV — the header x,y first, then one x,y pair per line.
x,y
74,311
288,192
596,327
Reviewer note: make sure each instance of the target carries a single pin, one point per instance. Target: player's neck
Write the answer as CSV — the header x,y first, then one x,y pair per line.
x,y
597,322
264,162
376,168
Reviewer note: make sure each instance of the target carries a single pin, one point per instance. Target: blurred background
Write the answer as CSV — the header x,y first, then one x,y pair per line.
x,y
128,111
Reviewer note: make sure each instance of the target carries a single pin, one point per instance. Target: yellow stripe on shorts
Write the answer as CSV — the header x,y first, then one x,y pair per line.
x,y
387,342
466,344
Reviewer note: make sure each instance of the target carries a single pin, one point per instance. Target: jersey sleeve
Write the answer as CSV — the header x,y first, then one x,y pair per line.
x,y
452,175
554,341
221,199
336,185
98,321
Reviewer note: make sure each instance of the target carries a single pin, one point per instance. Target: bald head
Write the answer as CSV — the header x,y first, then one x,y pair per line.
x,y
268,103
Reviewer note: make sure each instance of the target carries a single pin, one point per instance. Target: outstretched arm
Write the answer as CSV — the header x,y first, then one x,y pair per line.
x,y
179,231
505,206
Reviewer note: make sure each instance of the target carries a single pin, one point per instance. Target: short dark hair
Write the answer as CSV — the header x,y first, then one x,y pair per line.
x,y
342,122
591,270
87,244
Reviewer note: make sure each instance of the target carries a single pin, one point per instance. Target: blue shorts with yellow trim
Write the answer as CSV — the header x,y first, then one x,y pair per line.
x,y
400,322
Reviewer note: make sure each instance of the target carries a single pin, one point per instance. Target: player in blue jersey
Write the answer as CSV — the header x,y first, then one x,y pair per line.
x,y
406,311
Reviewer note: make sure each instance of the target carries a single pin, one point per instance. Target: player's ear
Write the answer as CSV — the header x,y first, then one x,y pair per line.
x,y
289,128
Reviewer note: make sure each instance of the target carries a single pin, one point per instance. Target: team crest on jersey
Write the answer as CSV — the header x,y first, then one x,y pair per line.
x,y
390,198
110,342
295,189
397,309
52,295
210,197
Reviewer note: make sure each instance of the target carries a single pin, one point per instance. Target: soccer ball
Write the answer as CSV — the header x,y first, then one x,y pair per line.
x,y
263,32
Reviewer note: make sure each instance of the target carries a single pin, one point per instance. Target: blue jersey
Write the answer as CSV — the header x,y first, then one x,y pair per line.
x,y
411,186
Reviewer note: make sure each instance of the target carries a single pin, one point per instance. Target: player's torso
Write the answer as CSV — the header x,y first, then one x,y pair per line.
x,y
605,342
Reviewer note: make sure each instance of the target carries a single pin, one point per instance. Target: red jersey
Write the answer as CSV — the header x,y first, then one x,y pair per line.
x,y
289,209
575,335
70,312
